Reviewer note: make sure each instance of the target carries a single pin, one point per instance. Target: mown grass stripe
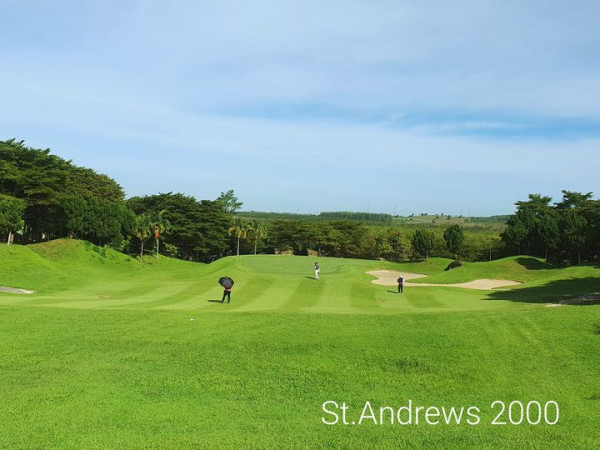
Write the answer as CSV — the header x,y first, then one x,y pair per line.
x,y
192,291
307,294
336,296
270,293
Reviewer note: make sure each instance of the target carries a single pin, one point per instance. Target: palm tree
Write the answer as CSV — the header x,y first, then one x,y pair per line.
x,y
240,229
143,229
159,226
260,232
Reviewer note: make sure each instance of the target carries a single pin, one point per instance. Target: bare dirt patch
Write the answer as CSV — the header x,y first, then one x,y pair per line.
x,y
390,277
579,300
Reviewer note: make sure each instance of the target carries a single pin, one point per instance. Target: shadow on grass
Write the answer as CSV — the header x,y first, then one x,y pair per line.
x,y
534,264
214,301
393,292
552,292
531,263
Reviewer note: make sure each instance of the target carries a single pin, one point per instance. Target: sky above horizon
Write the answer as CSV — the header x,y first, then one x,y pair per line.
x,y
307,106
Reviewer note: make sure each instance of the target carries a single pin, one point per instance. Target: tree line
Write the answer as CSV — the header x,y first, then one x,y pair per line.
x,y
565,232
55,198
362,216
43,196
374,218
194,230
351,239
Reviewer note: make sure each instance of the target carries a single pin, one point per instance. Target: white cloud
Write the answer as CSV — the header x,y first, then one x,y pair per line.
x,y
172,89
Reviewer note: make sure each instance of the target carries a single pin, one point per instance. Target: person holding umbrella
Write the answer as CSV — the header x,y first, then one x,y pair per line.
x,y
227,284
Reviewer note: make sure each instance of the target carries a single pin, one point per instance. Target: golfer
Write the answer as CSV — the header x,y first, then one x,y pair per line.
x,y
317,270
400,284
226,293
227,284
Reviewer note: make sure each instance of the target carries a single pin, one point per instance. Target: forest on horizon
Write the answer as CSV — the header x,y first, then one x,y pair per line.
x,y
43,197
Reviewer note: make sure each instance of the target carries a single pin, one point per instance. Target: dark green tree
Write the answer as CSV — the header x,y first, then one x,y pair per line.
x,y
213,231
573,199
563,232
523,229
11,216
572,229
325,239
454,237
103,223
229,201
548,232
591,212
350,238
45,182
199,230
423,242
398,245
75,213
536,203
292,235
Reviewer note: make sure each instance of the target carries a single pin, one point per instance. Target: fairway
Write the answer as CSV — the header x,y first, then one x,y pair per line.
x,y
112,353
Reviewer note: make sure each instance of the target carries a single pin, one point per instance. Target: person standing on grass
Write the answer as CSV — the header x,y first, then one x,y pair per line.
x,y
226,293
227,284
317,270
400,284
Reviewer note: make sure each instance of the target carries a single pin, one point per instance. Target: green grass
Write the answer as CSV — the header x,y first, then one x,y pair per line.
x,y
105,354
518,268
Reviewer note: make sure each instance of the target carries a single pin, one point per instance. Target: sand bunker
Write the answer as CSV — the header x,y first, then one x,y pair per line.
x,y
483,284
390,277
11,290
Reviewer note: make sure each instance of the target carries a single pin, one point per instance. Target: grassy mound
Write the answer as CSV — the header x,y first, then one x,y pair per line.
x,y
62,265
516,268
23,268
74,253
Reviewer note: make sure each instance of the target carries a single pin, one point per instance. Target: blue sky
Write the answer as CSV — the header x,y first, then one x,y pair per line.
x,y
406,106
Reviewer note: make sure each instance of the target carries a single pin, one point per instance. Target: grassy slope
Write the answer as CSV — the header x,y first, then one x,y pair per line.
x,y
146,375
518,268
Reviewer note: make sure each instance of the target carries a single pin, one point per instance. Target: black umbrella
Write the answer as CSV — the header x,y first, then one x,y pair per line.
x,y
226,282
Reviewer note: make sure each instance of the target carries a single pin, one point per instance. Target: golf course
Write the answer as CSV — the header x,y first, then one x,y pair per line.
x,y
300,225
111,352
